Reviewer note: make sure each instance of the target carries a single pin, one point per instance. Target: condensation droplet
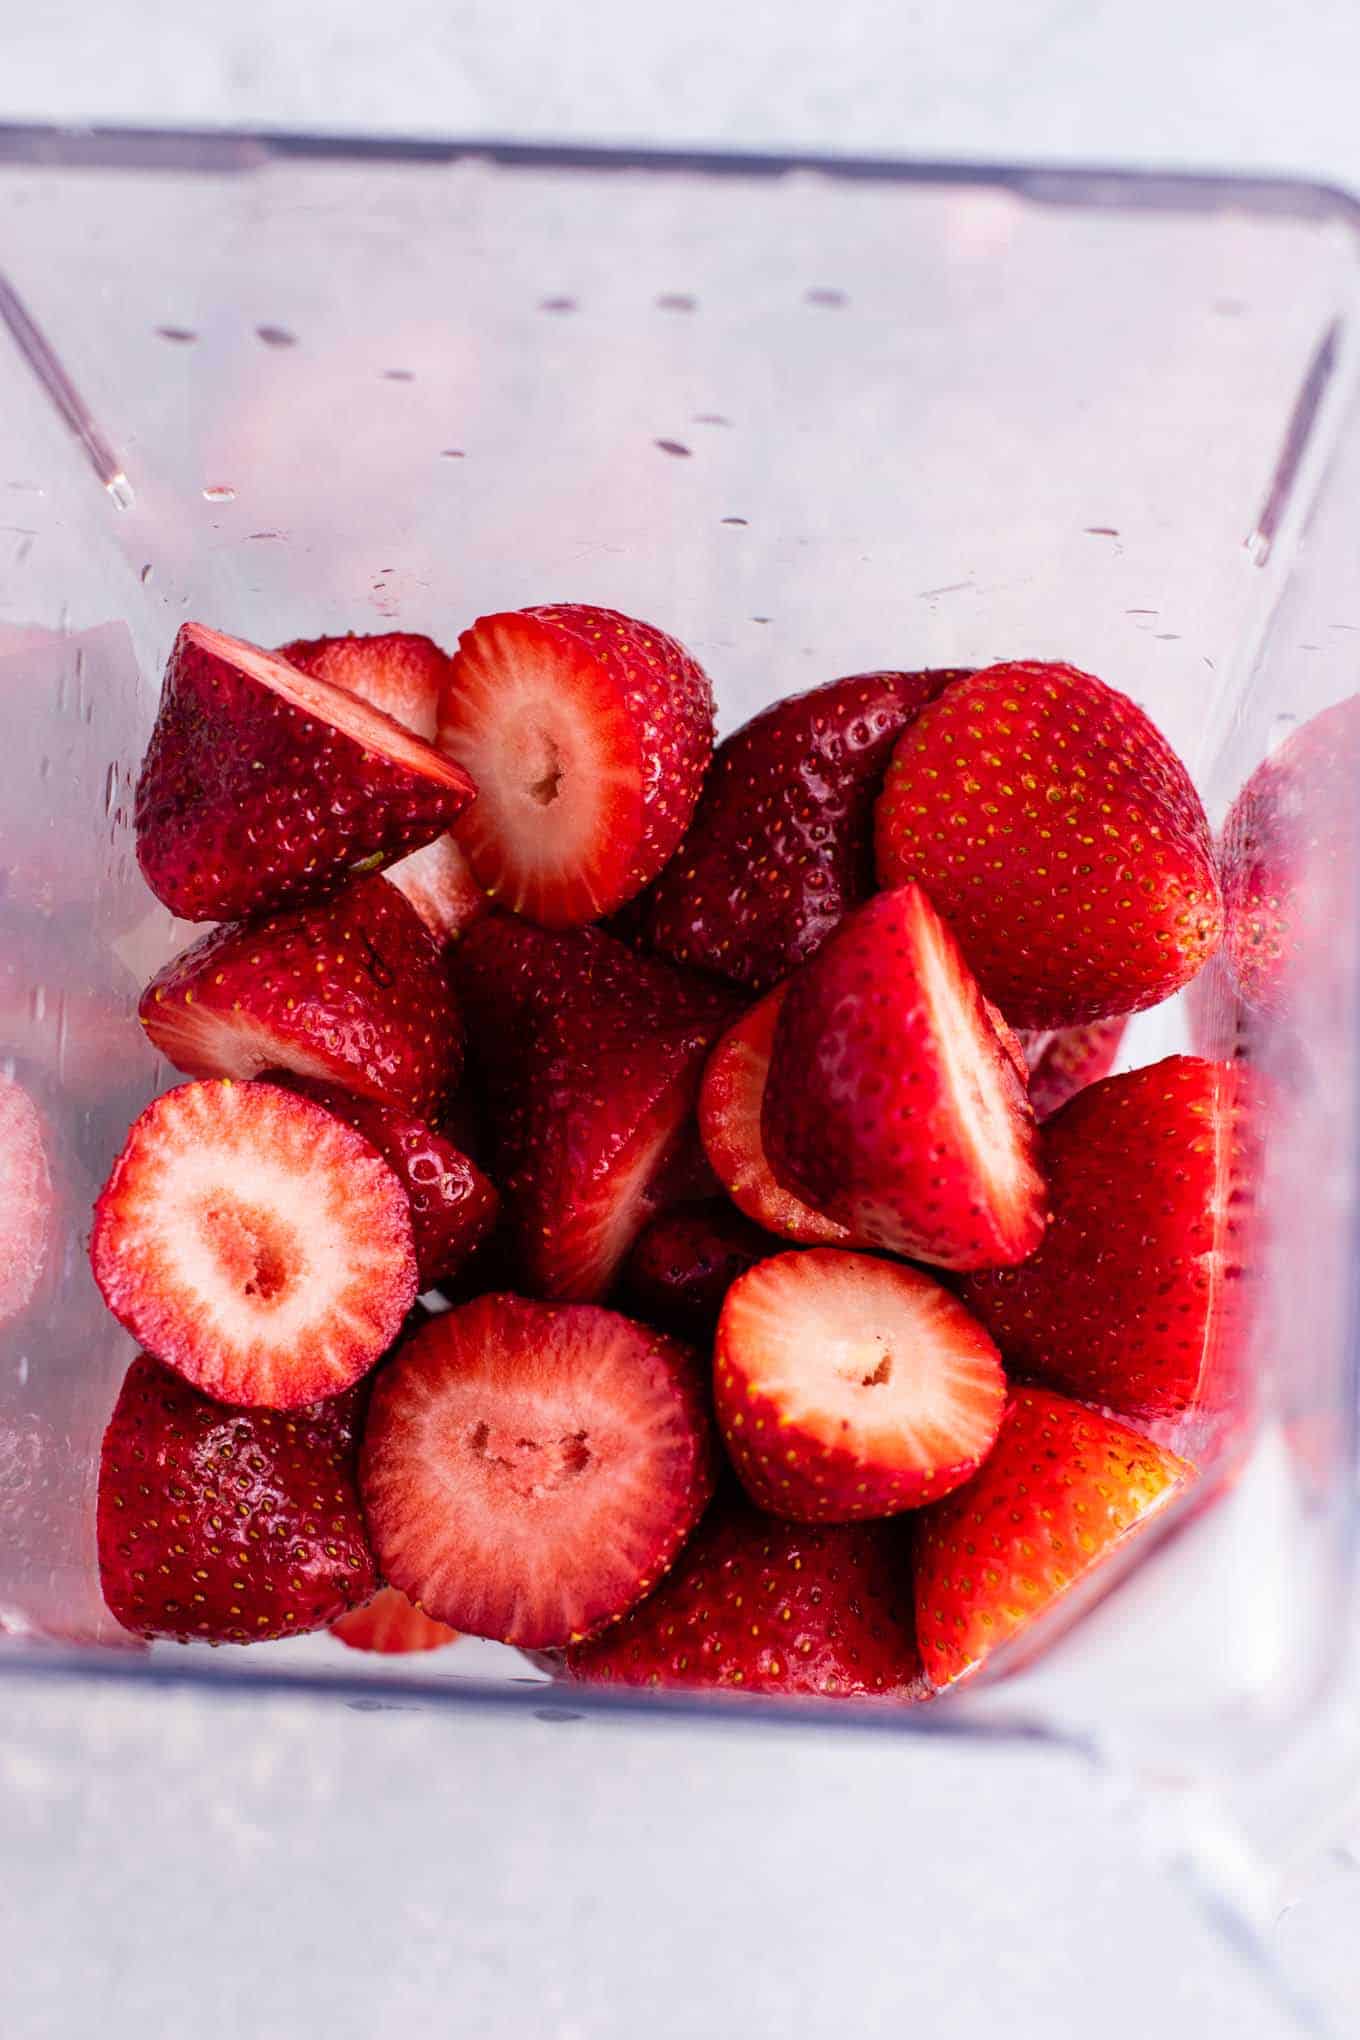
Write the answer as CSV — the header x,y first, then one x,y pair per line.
x,y
557,304
219,492
735,520
398,375
37,1002
673,446
120,491
676,301
182,335
145,575
452,453
276,336
824,294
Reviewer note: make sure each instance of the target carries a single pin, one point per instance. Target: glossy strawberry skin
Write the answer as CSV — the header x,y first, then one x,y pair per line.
x,y
228,1526
1062,839
683,1264
351,989
248,802
781,845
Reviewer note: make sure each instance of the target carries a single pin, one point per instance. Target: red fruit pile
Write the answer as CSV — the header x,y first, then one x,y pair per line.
x,y
675,1175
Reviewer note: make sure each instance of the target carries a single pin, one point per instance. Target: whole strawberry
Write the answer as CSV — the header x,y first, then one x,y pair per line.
x,y
1062,839
683,1264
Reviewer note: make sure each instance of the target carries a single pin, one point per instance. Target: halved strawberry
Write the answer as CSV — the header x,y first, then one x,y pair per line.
x,y
849,1387
27,1204
1062,1491
254,1243
438,882
588,735
228,1526
891,1104
760,1606
397,671
591,1057
683,1264
781,845
263,785
1061,838
1135,1297
530,1470
1065,1060
392,1625
731,1099
350,991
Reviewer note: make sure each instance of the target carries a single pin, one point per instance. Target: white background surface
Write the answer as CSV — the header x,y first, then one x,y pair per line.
x,y
283,1870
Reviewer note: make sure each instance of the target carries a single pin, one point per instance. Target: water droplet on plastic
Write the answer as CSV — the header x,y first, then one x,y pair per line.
x,y
735,520
557,304
145,575
276,336
37,1002
452,453
673,446
110,788
120,491
45,768
711,418
762,619
219,492
183,335
398,375
676,301
824,294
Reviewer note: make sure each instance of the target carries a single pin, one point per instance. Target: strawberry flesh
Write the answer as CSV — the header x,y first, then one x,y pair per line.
x,y
228,1526
350,991
27,1205
683,1264
438,882
892,1106
263,785
254,1243
396,671
392,1625
848,1387
1060,837
530,1470
1065,1060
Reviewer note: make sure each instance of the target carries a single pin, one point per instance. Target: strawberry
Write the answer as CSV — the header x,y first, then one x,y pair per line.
x,y
1063,1489
1065,1060
397,672
848,1387
762,1606
1010,1041
453,1206
685,1261
1133,1298
891,1104
438,882
254,1243
263,785
590,1057
27,1204
228,1526
1061,838
393,1625
588,735
731,1099
351,991
781,845
530,1470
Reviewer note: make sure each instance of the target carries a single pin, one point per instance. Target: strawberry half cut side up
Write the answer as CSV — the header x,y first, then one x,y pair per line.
x,y
263,785
530,1470
849,1387
587,734
228,1526
255,1244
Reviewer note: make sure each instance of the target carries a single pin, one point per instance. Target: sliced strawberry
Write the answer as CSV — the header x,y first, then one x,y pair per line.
x,y
781,845
731,1099
228,1526
438,882
891,1104
530,1470
1060,837
762,1606
351,991
254,1243
1066,1060
392,1624
1135,1297
453,1205
588,735
397,671
591,1057
1009,1040
1062,1491
683,1264
27,1204
263,785
849,1387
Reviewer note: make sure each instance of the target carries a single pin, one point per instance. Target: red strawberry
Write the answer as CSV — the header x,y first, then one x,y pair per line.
x,y
263,785
767,1607
453,1205
731,1098
393,1625
1065,1061
588,735
438,882
530,1470
1063,1489
254,1243
1060,836
27,1205
397,671
781,845
1133,1298
683,1264
849,1387
591,1058
891,1104
228,1526
1009,1040
351,991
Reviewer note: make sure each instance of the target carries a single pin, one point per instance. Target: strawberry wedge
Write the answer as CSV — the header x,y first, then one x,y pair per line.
x,y
392,1626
